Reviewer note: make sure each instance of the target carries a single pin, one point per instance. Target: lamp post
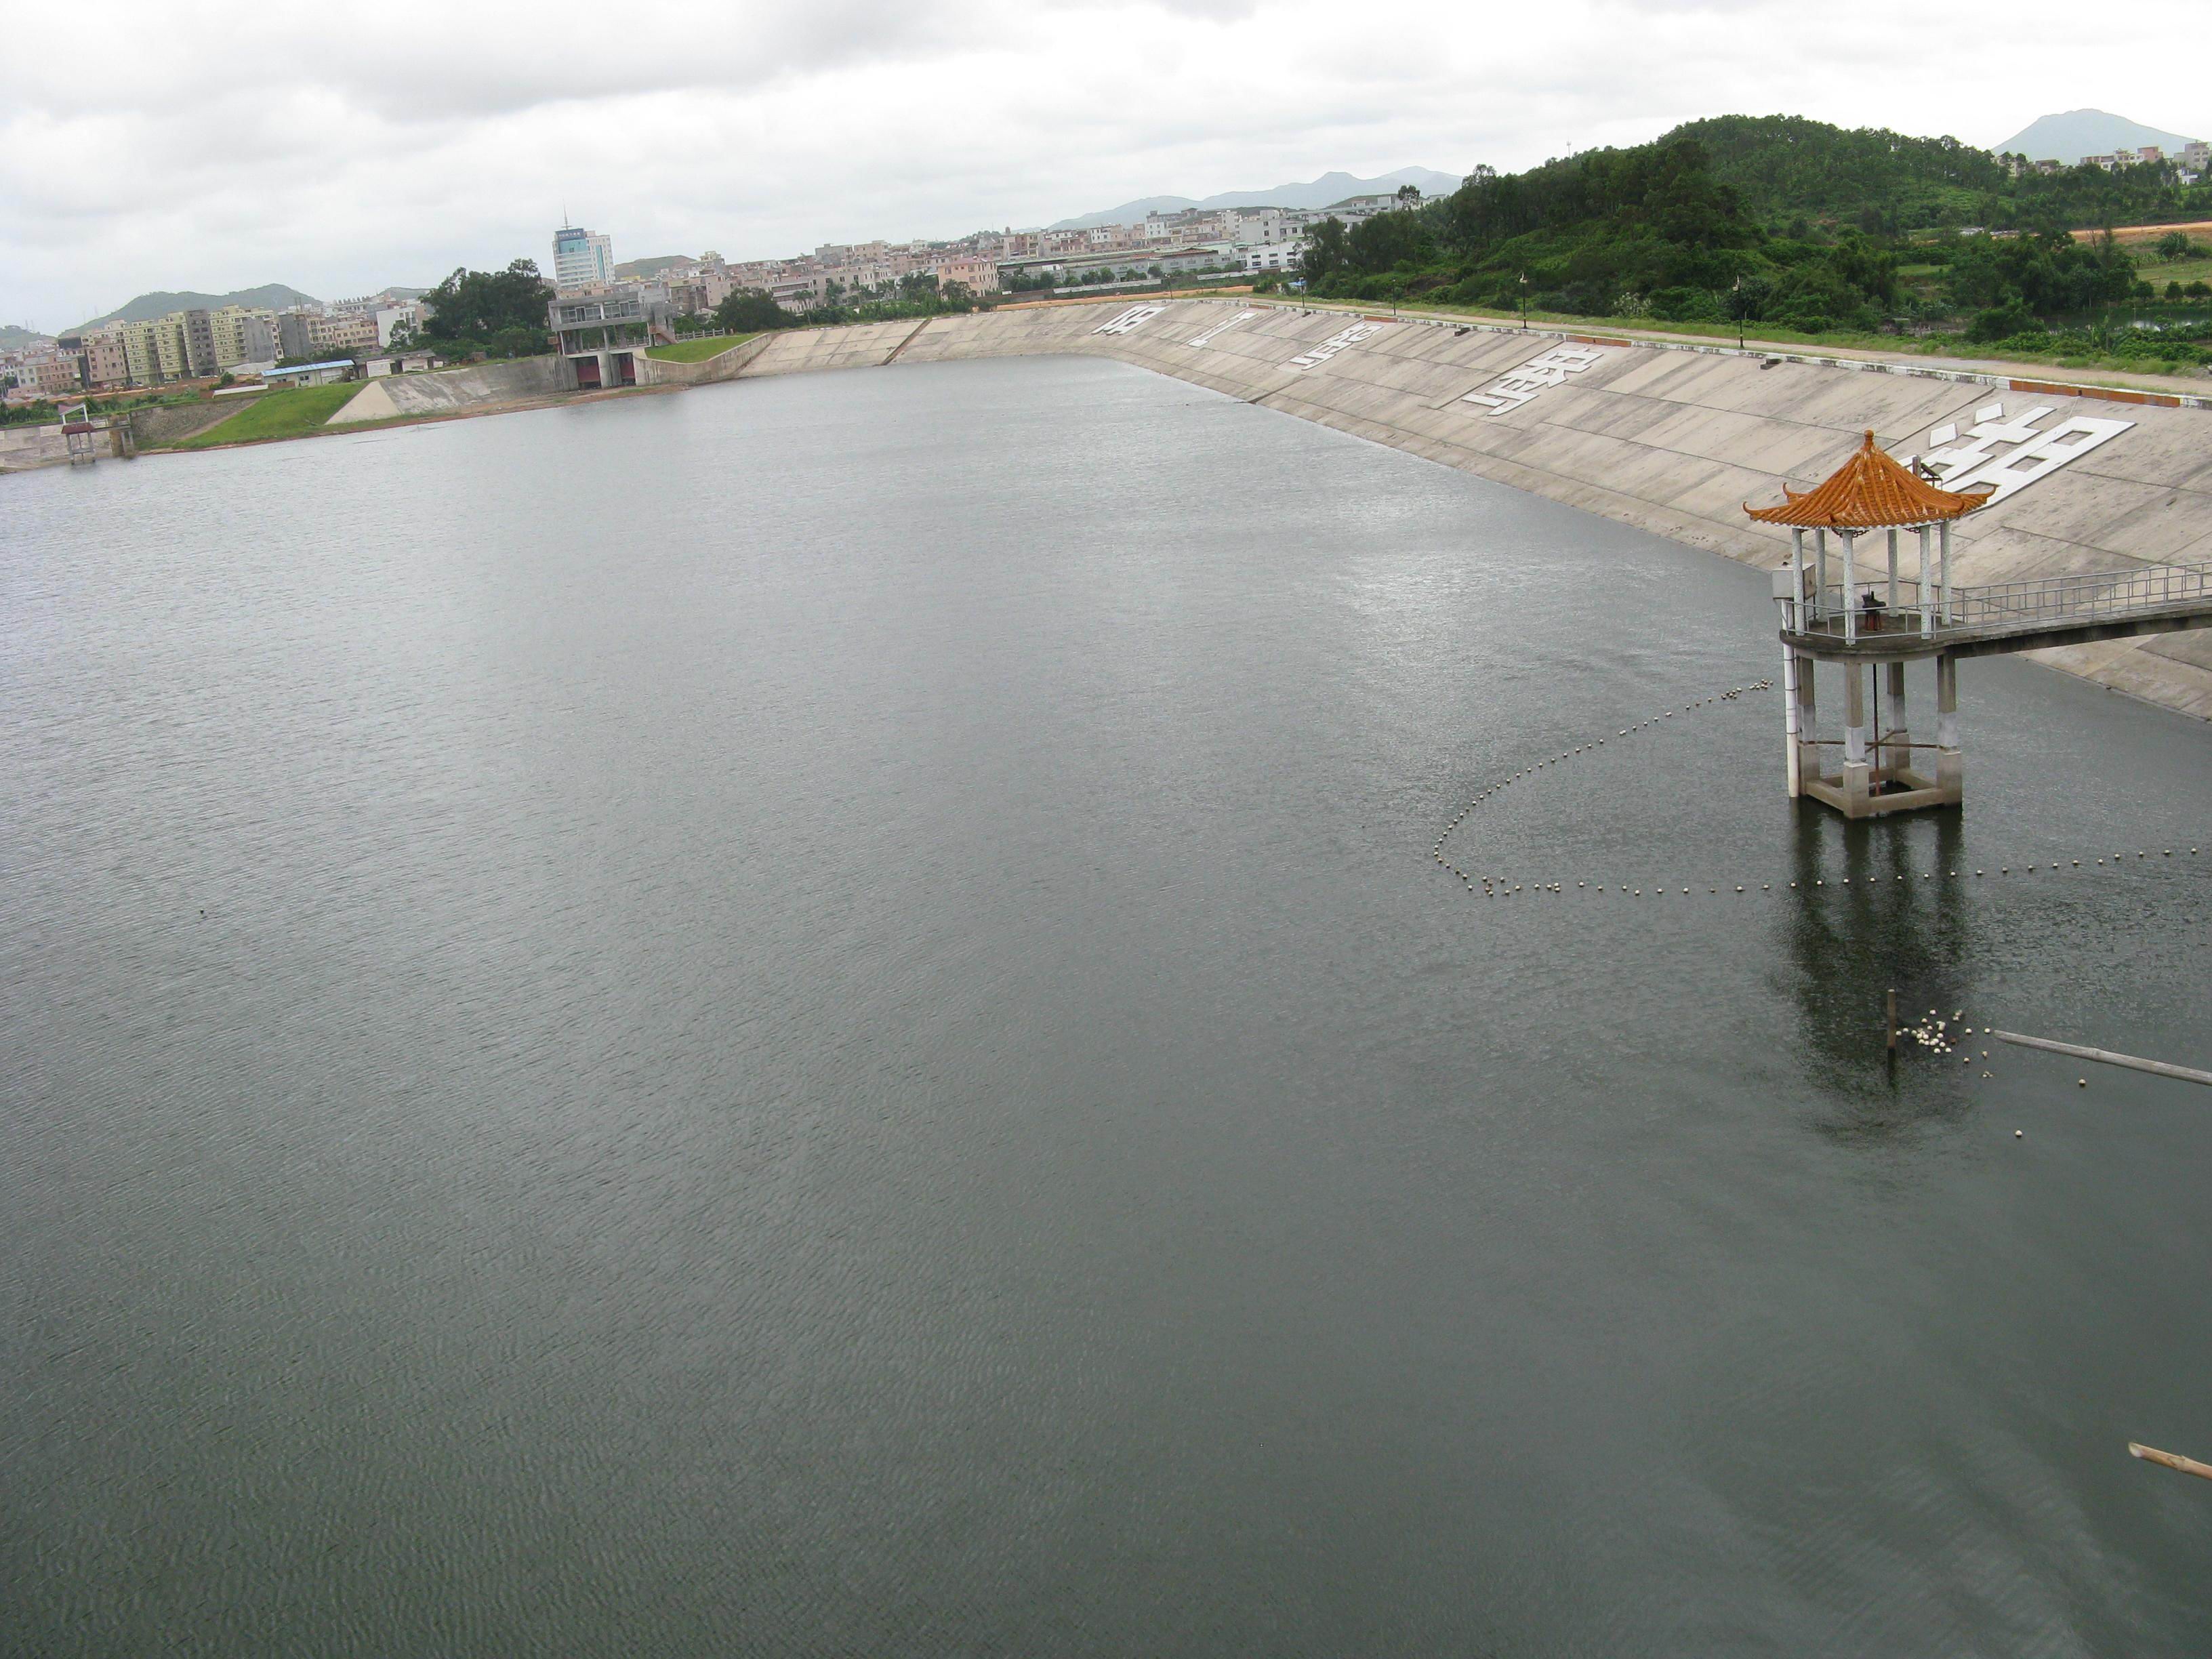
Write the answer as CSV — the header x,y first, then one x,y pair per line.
x,y
1524,302
1736,288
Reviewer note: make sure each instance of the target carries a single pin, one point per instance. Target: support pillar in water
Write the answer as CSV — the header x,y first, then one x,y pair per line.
x,y
1896,742
1858,772
1950,773
1809,752
1790,722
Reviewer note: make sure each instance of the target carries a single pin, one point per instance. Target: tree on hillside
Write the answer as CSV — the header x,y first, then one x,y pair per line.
x,y
749,311
1388,241
1327,250
473,308
2048,274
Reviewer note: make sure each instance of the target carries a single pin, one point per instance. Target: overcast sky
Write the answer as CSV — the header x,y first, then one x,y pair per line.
x,y
211,145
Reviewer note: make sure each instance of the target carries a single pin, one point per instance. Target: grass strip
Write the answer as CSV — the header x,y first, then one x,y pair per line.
x,y
291,413
697,352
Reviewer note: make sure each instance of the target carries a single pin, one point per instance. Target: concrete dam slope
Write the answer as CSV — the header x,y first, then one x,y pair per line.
x,y
451,391
1672,440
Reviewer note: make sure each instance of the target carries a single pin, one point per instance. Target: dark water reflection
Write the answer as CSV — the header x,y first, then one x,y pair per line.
x,y
822,1025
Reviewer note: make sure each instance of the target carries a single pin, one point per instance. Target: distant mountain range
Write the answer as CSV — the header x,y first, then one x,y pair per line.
x,y
1324,191
272,296
2080,132
13,337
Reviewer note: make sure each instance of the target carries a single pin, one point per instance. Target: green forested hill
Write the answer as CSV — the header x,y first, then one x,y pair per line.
x,y
1785,166
1775,219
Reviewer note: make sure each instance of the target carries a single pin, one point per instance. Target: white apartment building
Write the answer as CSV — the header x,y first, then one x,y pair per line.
x,y
1273,256
581,260
1257,227
409,314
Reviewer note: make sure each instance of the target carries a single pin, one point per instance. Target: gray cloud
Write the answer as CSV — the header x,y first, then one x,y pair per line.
x,y
223,143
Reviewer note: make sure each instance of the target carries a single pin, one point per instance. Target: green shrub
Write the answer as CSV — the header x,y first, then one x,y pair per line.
x,y
2005,322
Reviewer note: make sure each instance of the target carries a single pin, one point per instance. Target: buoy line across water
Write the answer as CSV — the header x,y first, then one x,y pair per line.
x,y
1498,887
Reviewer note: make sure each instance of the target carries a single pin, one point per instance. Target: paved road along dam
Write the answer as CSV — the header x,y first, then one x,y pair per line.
x,y
1673,440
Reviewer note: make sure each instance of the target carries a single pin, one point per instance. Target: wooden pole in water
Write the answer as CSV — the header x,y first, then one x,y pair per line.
x,y
1892,1012
2171,1460
2158,1068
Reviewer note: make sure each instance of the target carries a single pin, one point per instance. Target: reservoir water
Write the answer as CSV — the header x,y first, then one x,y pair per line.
x,y
814,1017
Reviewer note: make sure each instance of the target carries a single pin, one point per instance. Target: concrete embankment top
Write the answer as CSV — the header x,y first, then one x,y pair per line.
x,y
1671,441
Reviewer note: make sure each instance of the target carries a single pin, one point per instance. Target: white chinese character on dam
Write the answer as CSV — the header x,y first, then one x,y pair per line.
x,y
1134,318
1516,386
1222,327
2011,454
1336,343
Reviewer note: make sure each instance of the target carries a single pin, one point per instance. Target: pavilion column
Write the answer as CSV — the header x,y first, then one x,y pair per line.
x,y
1927,597
1820,574
1892,599
1797,581
1950,774
1850,587
1857,779
1943,540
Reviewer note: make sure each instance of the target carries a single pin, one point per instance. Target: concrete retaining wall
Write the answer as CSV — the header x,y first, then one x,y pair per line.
x,y
723,366
1673,442
466,391
170,424
22,447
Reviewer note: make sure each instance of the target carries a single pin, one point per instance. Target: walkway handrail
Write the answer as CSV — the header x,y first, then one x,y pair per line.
x,y
2035,601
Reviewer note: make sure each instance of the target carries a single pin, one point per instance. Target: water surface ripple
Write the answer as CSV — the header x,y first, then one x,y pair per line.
x,y
825,1024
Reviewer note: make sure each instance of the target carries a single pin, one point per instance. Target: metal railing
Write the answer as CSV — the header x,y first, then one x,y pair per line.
x,y
2099,596
2035,602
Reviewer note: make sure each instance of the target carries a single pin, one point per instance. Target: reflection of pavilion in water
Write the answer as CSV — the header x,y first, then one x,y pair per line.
x,y
1849,945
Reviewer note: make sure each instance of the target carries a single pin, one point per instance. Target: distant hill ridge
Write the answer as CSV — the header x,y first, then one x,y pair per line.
x,y
638,271
270,296
2080,132
13,337
1324,191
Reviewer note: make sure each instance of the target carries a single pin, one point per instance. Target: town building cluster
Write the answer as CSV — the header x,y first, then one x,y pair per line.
x,y
600,320
205,344
598,313
2191,160
1194,239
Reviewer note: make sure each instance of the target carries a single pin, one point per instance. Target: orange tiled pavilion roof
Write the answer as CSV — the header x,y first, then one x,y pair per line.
x,y
1869,492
